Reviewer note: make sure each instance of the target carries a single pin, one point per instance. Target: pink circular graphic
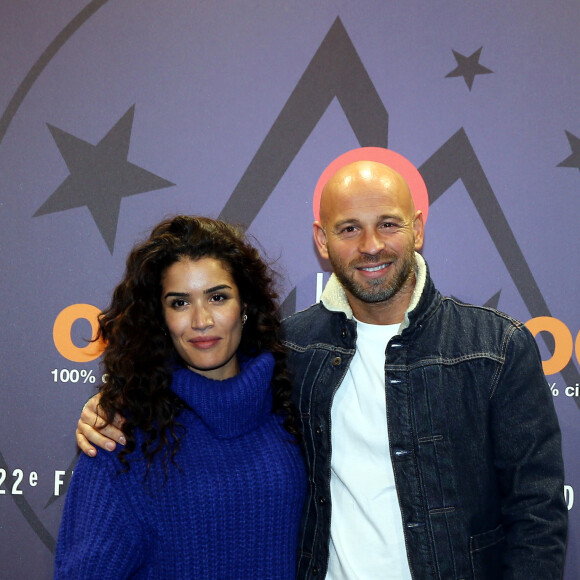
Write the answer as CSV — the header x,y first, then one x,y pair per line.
x,y
387,157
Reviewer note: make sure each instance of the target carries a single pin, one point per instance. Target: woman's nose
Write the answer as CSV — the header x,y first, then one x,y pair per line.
x,y
201,318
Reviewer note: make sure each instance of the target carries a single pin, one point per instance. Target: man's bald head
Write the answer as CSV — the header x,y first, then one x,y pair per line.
x,y
362,178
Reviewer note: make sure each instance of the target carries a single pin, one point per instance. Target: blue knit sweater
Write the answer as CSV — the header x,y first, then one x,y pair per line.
x,y
231,509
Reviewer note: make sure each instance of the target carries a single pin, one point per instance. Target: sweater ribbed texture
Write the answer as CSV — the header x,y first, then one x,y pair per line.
x,y
231,509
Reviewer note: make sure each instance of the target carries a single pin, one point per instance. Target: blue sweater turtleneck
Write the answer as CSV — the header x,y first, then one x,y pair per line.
x,y
230,508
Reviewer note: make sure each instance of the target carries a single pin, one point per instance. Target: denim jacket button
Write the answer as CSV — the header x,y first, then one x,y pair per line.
x,y
336,361
318,430
343,333
321,500
415,525
401,452
315,571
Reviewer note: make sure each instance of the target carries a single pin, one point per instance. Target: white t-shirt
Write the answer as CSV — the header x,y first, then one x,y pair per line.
x,y
366,531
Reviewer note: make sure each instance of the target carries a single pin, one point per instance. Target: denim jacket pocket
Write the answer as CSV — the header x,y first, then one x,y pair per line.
x,y
486,551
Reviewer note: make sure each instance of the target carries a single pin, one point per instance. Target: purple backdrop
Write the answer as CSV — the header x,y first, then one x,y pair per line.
x,y
118,113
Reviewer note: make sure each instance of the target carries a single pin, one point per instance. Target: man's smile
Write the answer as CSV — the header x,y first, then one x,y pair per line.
x,y
373,268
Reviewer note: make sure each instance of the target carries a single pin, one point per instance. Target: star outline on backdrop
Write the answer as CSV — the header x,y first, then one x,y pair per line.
x,y
468,67
100,176
573,160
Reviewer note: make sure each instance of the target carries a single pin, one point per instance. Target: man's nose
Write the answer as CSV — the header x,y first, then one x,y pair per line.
x,y
370,242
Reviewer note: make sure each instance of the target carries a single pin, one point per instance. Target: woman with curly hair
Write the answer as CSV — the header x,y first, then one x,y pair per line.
x,y
210,483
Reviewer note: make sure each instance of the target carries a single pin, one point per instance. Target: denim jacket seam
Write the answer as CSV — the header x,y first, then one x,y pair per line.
x,y
318,346
507,340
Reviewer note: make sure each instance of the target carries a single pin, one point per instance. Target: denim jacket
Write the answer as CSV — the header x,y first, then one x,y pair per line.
x,y
473,436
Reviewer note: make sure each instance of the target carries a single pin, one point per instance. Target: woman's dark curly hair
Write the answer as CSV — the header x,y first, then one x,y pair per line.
x,y
139,355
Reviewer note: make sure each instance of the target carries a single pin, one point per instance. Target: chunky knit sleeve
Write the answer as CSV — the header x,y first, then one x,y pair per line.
x,y
100,535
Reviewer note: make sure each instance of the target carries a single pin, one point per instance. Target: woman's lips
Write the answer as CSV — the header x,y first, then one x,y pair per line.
x,y
204,342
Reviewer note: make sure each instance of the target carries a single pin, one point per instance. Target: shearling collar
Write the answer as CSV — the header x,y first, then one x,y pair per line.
x,y
334,297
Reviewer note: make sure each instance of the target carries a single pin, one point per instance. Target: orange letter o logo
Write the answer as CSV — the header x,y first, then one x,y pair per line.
x,y
564,344
61,333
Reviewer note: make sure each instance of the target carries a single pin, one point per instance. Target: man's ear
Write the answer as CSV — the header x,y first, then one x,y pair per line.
x,y
320,239
419,230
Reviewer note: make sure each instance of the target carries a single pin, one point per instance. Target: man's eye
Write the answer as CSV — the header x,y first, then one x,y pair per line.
x,y
348,230
178,303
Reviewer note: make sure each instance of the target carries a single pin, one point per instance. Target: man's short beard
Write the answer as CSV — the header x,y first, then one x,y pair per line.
x,y
376,290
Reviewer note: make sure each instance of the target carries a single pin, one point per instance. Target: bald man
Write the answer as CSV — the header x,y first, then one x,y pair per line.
x,y
430,435
431,439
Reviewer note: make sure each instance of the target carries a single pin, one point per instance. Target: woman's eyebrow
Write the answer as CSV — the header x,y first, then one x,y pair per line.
x,y
215,288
